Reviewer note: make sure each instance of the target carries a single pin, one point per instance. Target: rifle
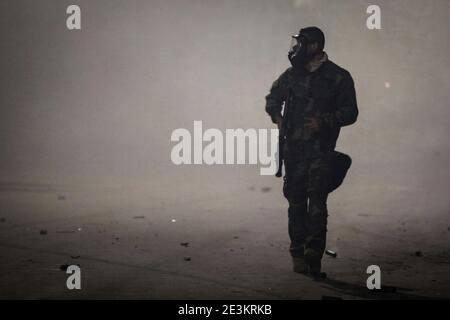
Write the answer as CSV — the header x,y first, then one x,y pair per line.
x,y
282,135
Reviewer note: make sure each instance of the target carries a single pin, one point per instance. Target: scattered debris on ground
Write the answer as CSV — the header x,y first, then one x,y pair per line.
x,y
187,259
43,232
64,267
418,253
61,197
184,244
139,217
331,253
3,220
266,189
235,237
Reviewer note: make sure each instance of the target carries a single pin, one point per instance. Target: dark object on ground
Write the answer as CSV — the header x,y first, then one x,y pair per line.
x,y
266,189
184,244
75,257
64,267
187,259
331,253
61,197
2,220
365,215
340,164
418,254
43,232
138,217
331,298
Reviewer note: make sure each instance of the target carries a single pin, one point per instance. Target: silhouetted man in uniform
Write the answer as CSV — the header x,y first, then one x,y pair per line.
x,y
321,99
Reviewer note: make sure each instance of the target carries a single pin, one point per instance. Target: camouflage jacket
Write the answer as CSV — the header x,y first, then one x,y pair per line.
x,y
327,94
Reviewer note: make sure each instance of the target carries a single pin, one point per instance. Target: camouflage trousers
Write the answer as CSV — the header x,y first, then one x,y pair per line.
x,y
306,187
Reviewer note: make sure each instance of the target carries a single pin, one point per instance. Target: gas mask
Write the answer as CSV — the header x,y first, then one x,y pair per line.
x,y
298,53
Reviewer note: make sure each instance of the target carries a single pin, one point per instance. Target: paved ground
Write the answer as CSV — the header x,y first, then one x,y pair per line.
x,y
128,242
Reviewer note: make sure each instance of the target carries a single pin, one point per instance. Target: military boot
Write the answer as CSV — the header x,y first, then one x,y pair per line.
x,y
299,265
313,261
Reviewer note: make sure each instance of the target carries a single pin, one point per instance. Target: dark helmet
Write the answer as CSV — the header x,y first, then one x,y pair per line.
x,y
312,34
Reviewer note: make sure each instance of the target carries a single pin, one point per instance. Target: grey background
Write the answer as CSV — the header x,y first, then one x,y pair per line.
x,y
102,102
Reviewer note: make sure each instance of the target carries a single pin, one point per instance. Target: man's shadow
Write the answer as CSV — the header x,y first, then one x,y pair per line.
x,y
340,165
386,292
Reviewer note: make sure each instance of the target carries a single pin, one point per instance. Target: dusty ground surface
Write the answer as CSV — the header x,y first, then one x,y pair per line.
x,y
128,242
